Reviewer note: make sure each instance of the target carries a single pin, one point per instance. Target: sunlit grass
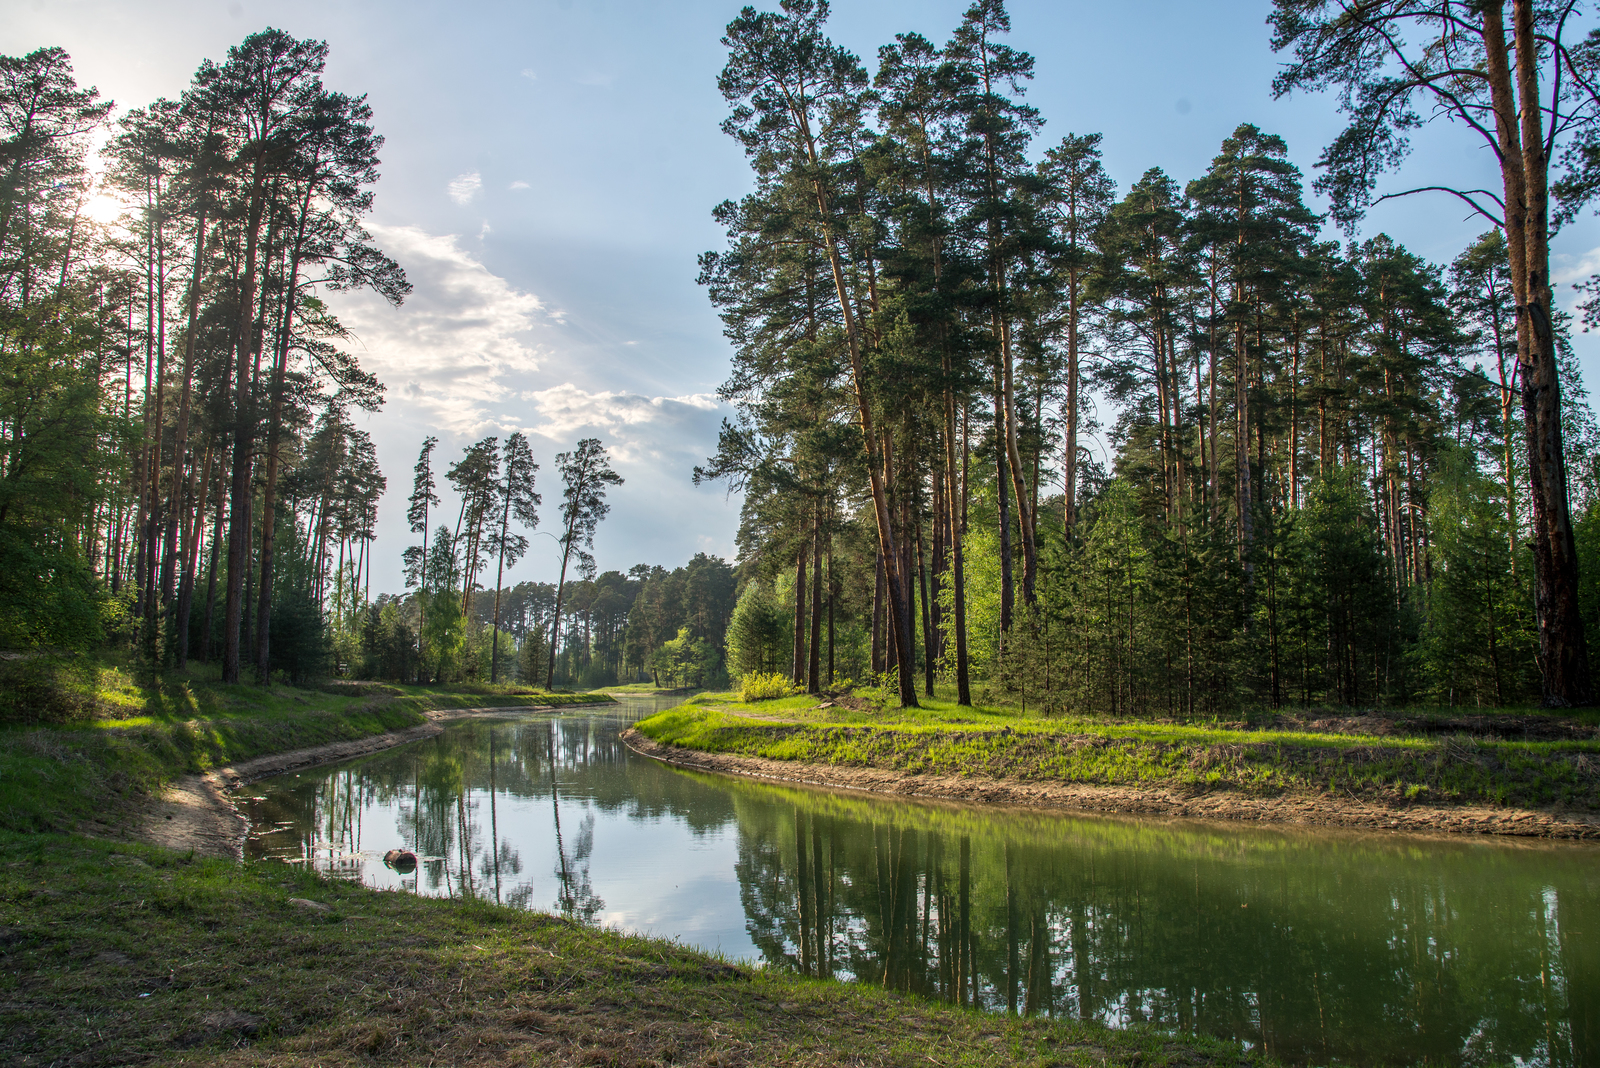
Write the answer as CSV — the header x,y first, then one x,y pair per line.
x,y
943,738
148,729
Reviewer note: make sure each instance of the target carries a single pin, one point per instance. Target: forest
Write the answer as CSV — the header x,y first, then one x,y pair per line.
x,y
183,475
1168,449
1001,426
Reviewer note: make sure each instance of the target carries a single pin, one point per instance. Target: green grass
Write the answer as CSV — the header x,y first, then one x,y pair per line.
x,y
141,733
637,687
946,739
117,954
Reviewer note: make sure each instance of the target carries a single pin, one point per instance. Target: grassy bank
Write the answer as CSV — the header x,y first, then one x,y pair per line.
x,y
131,735
118,954
114,953
945,739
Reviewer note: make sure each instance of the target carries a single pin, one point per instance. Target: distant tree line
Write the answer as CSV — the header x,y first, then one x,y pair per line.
x,y
585,630
1166,449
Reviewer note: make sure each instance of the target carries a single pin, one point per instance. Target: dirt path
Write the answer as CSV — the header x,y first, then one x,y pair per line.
x,y
1321,810
196,812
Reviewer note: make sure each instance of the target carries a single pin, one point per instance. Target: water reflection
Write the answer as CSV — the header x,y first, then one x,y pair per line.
x,y
1317,947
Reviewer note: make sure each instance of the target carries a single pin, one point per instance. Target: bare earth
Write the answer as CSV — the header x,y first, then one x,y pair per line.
x,y
1324,810
196,812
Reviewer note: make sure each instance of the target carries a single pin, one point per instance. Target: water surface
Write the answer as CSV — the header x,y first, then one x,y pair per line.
x,y
1318,946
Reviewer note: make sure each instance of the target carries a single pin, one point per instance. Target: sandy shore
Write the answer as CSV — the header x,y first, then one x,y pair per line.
x,y
1324,810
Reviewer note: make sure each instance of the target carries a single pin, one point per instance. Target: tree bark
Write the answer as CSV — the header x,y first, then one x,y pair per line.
x,y
1563,653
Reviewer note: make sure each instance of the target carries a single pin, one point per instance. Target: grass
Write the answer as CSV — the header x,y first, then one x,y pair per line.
x,y
638,687
136,734
113,954
946,739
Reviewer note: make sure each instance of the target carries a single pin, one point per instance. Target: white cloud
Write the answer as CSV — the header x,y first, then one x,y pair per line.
x,y
461,344
530,74
518,184
1566,267
642,428
470,354
464,188
485,230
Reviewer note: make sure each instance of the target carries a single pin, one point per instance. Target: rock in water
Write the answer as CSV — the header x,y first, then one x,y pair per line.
x,y
401,860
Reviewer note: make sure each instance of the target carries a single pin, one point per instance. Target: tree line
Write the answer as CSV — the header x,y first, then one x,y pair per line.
x,y
459,621
1164,448
179,460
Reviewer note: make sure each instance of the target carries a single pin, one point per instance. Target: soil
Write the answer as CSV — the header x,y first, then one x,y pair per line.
x,y
1221,804
196,812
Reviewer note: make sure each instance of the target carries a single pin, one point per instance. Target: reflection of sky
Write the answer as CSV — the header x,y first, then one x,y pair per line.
x,y
656,875
1315,946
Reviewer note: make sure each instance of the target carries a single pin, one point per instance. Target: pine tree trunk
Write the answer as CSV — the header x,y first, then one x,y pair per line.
x,y
1002,485
815,661
1563,652
955,497
274,436
798,674
247,348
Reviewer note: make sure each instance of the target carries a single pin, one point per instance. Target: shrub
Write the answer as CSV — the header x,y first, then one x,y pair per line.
x,y
758,686
46,688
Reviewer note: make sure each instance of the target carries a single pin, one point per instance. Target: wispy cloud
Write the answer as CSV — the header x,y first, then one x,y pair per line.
x,y
530,74
464,188
470,354
463,341
518,184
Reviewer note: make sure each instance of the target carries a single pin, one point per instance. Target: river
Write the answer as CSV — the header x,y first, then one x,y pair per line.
x,y
1317,946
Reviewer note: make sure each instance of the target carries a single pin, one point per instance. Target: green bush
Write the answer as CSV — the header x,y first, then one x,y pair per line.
x,y
38,688
760,686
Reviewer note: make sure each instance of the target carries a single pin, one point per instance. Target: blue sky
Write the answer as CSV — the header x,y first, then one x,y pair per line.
x,y
550,169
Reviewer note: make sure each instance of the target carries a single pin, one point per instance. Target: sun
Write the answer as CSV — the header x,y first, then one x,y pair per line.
x,y
104,208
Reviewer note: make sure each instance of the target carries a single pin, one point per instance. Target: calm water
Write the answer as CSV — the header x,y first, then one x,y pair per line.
x,y
1322,947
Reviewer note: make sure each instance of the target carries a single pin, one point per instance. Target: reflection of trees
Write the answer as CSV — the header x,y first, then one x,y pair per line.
x,y
575,897
1316,947
1319,949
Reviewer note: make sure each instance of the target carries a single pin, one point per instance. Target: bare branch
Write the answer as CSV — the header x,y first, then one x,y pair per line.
x,y
1476,207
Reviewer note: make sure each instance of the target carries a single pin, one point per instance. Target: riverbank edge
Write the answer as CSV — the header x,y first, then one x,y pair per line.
x,y
197,813
120,954
1224,804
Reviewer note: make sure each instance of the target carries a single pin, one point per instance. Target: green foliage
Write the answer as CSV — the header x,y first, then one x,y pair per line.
x,y
48,594
46,688
532,658
760,686
756,632
388,642
1477,641
300,644
444,638
687,661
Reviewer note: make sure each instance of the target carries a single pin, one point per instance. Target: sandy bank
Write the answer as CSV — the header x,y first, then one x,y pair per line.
x,y
195,812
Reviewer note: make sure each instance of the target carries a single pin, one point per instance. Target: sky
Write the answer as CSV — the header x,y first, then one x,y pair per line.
x,y
549,173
